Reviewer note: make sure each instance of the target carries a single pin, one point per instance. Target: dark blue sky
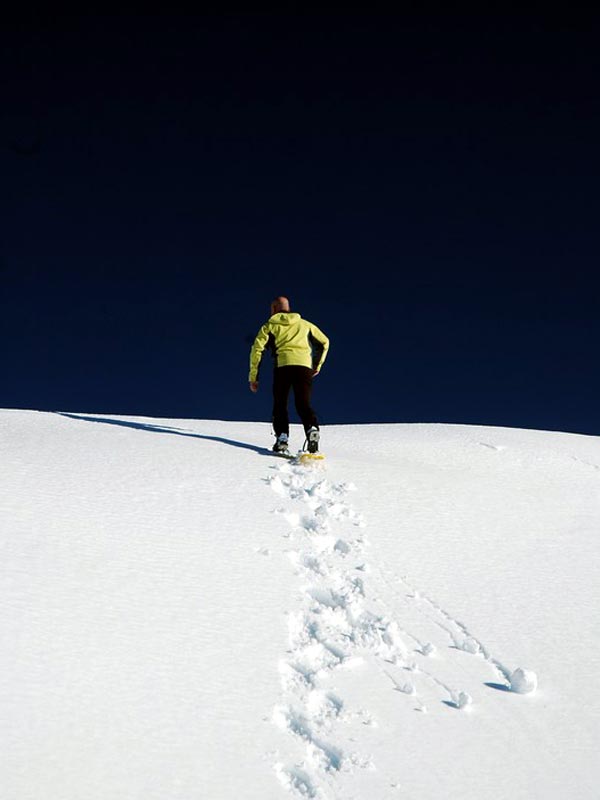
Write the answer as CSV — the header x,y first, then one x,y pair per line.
x,y
423,188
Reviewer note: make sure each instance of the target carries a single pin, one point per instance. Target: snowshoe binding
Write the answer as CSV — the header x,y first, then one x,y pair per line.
x,y
311,454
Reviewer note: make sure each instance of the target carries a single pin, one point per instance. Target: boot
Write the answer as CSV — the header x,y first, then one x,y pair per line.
x,y
312,438
281,445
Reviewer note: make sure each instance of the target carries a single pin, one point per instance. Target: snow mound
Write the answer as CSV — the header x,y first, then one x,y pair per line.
x,y
523,681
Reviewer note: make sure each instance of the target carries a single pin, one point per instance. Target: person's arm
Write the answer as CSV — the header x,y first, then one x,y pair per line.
x,y
256,354
320,345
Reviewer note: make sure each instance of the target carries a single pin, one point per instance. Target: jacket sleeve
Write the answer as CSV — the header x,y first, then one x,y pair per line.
x,y
320,346
262,337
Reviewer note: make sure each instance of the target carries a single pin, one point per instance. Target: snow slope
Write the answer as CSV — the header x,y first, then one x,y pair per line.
x,y
185,616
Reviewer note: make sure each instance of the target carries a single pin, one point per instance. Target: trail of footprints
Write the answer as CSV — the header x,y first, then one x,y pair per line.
x,y
356,621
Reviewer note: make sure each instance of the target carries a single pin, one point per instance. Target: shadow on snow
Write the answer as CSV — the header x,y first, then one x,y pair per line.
x,y
143,426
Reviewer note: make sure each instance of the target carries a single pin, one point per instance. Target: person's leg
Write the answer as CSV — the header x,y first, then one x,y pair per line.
x,y
281,389
302,383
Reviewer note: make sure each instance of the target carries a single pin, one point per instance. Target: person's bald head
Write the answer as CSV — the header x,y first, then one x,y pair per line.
x,y
280,304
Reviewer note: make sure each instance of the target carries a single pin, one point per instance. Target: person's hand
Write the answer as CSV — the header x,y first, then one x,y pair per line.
x,y
253,386
315,372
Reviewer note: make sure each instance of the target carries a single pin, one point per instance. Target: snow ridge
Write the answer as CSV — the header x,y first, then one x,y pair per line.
x,y
355,616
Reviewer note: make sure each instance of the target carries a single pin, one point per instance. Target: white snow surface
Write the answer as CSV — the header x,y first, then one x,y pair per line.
x,y
185,616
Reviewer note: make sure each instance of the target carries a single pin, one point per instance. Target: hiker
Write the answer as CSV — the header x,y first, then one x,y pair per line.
x,y
299,349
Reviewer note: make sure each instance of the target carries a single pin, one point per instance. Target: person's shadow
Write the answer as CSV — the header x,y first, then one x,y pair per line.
x,y
143,426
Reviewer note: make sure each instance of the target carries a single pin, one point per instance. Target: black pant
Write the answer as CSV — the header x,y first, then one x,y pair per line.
x,y
300,379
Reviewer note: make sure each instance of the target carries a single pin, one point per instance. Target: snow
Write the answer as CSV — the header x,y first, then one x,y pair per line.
x,y
184,615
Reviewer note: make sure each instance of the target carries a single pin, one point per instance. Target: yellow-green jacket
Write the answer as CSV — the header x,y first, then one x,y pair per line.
x,y
293,341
